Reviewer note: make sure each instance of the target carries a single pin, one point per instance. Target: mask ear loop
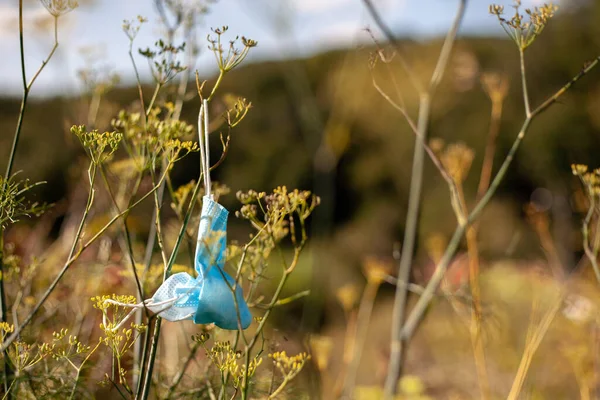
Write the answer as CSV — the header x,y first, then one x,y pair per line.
x,y
207,151
140,306
203,130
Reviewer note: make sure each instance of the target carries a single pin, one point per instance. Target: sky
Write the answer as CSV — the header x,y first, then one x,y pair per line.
x,y
283,28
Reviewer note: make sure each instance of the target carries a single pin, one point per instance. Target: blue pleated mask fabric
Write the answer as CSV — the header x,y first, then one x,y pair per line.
x,y
207,298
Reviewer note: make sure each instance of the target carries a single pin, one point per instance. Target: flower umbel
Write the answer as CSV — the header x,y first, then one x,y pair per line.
x,y
233,56
59,7
521,31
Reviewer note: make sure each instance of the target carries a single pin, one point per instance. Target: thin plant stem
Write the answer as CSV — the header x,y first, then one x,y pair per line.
x,y
151,358
155,234
594,336
26,86
137,78
475,320
597,237
248,348
127,235
152,234
540,223
47,60
531,347
184,368
190,39
80,368
8,381
151,346
158,225
8,390
585,231
524,83
490,147
473,248
400,299
147,261
414,128
11,158
217,84
144,358
394,41
153,99
348,351
363,318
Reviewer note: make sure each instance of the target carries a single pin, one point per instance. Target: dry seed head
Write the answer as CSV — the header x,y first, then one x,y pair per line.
x,y
524,32
495,85
435,245
347,296
437,145
376,270
59,7
232,57
249,42
591,179
496,9
321,347
457,159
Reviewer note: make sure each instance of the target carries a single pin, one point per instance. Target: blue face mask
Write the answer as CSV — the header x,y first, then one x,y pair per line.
x,y
213,296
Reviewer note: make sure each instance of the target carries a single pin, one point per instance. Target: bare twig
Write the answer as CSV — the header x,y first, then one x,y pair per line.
x,y
535,337
11,159
394,41
404,268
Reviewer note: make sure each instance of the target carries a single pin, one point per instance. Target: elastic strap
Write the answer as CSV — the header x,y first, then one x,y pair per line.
x,y
139,306
203,131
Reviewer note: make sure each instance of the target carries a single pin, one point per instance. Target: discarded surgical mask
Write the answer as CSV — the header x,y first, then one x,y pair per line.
x,y
213,296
